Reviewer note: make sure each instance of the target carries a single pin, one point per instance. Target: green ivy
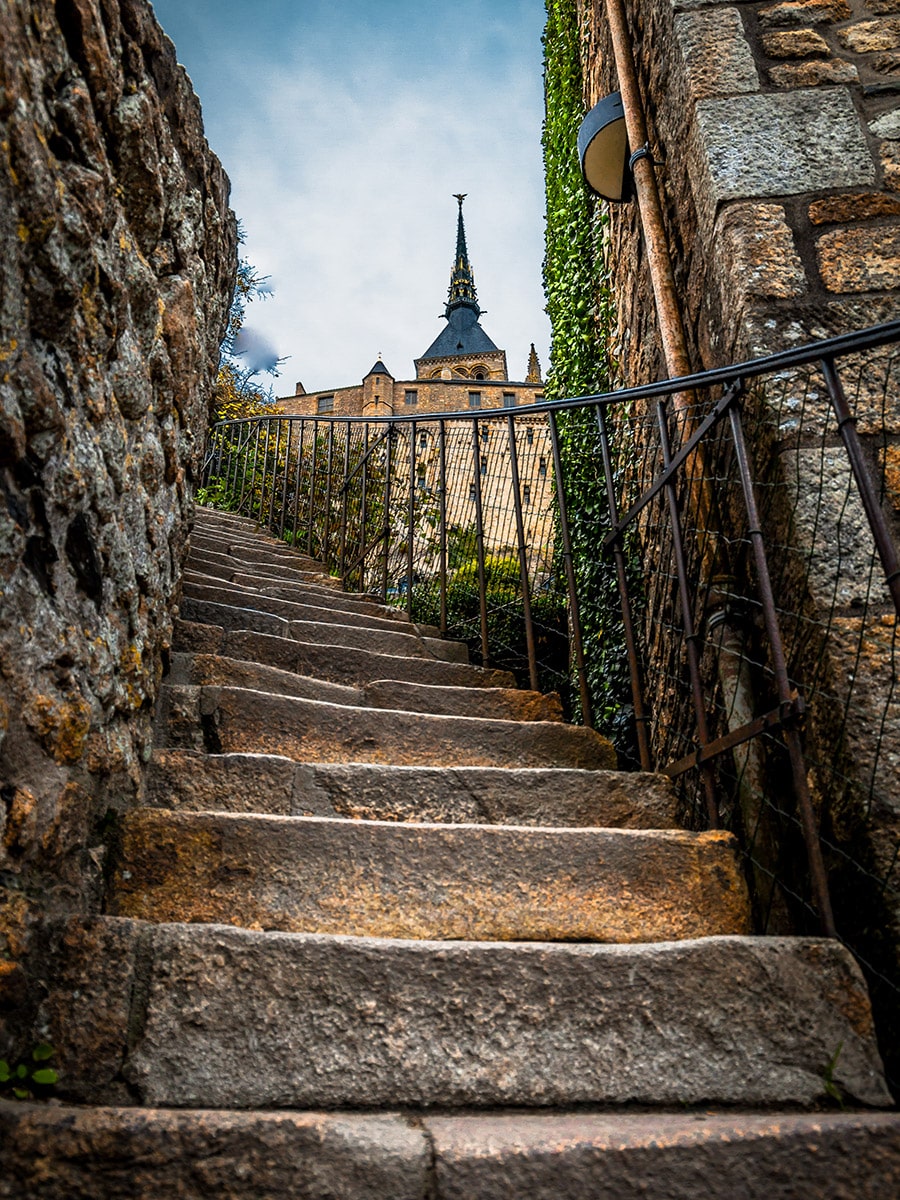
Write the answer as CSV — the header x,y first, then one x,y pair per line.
x,y
580,307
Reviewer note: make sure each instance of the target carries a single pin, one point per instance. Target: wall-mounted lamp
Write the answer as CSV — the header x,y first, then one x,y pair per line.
x,y
603,149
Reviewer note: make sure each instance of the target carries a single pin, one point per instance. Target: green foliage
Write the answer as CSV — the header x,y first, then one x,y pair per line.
x,y
579,303
28,1080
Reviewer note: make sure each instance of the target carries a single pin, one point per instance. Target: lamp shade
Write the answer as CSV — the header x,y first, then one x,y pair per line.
x,y
603,148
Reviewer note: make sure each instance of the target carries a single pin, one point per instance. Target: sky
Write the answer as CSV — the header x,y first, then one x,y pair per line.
x,y
345,127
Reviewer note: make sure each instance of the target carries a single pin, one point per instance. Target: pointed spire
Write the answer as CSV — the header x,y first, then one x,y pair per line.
x,y
534,367
462,281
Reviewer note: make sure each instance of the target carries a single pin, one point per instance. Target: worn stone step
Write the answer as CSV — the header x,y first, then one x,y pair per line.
x,y
502,704
302,593
149,1013
194,781
314,608
336,663
210,560
237,719
390,880
217,518
403,640
216,671
250,554
63,1152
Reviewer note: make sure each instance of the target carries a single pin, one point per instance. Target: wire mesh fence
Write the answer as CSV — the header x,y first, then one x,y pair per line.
x,y
706,569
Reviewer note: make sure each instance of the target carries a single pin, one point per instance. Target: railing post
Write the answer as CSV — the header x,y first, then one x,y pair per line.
x,y
479,546
345,489
637,694
386,519
691,637
808,822
288,424
311,512
884,543
258,428
364,512
297,477
411,519
326,539
442,567
523,555
568,563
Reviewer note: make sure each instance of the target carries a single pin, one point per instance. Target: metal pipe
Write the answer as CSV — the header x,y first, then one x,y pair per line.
x,y
587,715
523,556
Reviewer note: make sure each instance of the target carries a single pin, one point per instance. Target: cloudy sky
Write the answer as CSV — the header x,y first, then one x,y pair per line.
x,y
345,127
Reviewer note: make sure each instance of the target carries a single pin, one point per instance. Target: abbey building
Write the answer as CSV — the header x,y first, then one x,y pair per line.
x,y
462,368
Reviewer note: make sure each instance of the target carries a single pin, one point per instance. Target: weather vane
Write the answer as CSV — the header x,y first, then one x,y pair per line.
x,y
460,196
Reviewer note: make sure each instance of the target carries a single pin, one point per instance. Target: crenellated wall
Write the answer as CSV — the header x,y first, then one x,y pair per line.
x,y
116,271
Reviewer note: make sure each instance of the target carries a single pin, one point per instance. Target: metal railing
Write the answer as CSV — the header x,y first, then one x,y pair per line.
x,y
747,534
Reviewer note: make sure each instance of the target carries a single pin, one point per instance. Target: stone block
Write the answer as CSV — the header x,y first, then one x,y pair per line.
x,y
830,531
717,57
781,143
60,1153
887,125
382,879
854,206
866,651
795,43
663,1156
758,247
866,36
889,152
862,259
803,12
326,1022
810,74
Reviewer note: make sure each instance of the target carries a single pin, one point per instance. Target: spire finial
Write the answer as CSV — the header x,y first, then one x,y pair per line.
x,y
462,281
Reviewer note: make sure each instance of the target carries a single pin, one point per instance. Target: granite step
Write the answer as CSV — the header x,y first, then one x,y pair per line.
x,y
67,1152
260,549
312,608
212,1016
400,641
226,719
209,560
388,880
299,593
335,663
191,780
503,704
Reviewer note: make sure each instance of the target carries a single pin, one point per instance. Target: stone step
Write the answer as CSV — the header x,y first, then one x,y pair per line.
x,y
225,719
305,593
501,704
402,640
216,1016
254,552
217,518
62,1152
194,781
313,609
389,880
335,663
210,560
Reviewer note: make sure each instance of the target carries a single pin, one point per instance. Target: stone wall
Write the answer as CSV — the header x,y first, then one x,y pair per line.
x,y
778,130
383,396
116,271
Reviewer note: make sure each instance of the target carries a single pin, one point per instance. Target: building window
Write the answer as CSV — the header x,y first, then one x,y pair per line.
x,y
538,398
471,491
509,399
485,433
479,374
484,464
423,441
411,397
420,476
526,494
529,437
542,466
474,399
325,404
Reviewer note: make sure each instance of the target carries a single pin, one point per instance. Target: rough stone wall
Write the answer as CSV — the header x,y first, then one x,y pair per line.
x,y
779,127
117,265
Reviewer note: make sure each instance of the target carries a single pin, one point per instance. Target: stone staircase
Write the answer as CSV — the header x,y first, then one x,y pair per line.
x,y
386,927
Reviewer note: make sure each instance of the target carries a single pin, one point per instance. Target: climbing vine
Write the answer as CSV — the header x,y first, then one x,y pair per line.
x,y
580,307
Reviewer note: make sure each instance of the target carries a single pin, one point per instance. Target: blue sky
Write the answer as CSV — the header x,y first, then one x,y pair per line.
x,y
345,127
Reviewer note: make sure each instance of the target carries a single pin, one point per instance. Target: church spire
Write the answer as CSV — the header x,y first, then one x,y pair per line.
x,y
462,281
534,367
